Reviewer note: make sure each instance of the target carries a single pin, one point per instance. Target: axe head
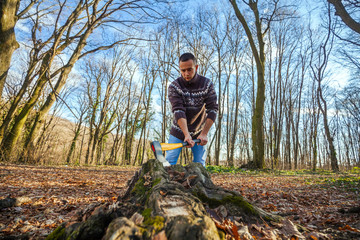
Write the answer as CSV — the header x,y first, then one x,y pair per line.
x,y
156,147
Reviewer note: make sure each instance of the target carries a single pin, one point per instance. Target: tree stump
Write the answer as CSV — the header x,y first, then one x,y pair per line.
x,y
177,203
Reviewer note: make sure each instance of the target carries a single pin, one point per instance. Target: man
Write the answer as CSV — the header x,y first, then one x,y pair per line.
x,y
194,105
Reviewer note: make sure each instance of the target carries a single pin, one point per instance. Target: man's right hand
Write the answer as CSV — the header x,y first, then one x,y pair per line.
x,y
189,140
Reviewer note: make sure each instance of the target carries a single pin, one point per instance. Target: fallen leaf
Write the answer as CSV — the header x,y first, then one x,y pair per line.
x,y
347,227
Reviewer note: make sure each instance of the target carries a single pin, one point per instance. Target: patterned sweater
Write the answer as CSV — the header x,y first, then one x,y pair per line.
x,y
194,100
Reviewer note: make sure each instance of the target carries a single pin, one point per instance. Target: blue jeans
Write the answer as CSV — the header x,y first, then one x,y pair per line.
x,y
198,151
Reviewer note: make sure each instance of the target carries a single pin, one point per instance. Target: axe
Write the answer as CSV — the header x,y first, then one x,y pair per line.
x,y
158,148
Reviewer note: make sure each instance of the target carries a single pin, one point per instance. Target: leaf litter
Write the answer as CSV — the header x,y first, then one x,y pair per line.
x,y
309,201
49,196
54,195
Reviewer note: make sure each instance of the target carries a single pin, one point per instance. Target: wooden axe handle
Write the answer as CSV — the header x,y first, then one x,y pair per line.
x,y
172,146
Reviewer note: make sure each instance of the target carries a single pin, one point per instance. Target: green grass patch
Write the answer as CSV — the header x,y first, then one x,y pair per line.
x,y
236,170
345,182
224,169
348,183
355,170
267,171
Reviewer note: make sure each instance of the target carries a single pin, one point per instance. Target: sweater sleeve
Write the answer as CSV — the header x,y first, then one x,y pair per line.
x,y
176,101
211,103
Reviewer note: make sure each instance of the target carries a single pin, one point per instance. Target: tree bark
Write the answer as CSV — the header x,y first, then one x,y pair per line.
x,y
74,140
127,151
8,43
9,16
329,137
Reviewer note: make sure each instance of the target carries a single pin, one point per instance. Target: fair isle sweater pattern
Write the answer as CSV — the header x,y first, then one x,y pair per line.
x,y
194,100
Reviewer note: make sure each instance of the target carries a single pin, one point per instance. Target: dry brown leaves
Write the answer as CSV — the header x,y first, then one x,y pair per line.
x,y
55,195
315,206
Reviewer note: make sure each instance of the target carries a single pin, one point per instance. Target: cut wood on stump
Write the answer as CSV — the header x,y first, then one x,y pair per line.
x,y
177,203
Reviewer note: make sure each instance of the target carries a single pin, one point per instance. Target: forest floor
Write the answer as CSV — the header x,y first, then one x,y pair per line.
x,y
48,196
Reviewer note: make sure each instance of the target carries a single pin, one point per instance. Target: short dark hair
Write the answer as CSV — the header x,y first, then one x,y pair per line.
x,y
186,57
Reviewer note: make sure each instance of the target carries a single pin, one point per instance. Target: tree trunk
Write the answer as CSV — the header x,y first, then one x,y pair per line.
x,y
8,43
257,132
51,98
175,203
164,125
15,103
134,126
9,141
220,111
257,123
237,105
91,138
314,138
323,108
94,109
42,113
127,151
333,158
94,147
73,144
143,128
345,15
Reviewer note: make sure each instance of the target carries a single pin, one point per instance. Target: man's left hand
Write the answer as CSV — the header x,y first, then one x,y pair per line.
x,y
203,138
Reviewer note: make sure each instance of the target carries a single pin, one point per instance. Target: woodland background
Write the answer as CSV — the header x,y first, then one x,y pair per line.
x,y
85,82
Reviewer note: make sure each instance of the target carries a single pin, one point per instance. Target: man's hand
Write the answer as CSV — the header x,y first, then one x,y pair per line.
x,y
183,125
203,135
203,138
189,140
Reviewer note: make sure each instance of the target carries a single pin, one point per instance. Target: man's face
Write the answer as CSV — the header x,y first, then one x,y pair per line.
x,y
188,69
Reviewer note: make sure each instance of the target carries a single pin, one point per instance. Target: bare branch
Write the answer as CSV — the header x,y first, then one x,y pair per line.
x,y
27,8
345,16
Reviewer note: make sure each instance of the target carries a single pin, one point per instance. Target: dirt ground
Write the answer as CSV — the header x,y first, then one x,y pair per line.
x,y
48,196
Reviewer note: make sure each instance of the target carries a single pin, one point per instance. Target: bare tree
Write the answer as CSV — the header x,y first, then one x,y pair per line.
x,y
218,33
106,92
166,55
80,110
132,115
349,106
69,35
149,77
302,71
10,14
283,41
257,44
318,68
237,55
